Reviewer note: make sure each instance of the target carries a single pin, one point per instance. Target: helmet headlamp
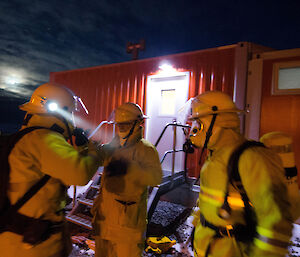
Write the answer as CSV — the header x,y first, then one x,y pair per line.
x,y
52,106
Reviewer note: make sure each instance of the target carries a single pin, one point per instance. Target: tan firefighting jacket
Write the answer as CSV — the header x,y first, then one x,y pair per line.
x,y
263,180
113,219
38,153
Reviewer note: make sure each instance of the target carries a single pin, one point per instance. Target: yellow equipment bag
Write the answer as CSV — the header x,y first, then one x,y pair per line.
x,y
159,245
282,144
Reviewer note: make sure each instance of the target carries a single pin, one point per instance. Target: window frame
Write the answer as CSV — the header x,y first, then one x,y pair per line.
x,y
161,103
275,79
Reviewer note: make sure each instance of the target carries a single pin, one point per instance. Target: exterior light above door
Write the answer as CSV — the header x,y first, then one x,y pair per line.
x,y
166,69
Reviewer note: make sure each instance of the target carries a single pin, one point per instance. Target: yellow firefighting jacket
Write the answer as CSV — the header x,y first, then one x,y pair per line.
x,y
38,153
120,210
263,180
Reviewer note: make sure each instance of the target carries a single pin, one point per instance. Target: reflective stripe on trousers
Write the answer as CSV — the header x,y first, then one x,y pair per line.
x,y
271,241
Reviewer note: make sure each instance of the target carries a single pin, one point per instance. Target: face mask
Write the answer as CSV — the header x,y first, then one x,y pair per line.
x,y
199,130
122,135
198,134
123,130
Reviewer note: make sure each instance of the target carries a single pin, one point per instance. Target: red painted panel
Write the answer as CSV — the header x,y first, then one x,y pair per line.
x,y
280,112
103,88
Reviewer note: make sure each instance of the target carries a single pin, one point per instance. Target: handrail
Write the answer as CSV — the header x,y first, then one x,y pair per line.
x,y
98,127
170,124
170,151
173,151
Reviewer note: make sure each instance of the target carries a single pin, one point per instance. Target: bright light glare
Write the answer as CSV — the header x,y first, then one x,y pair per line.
x,y
167,68
52,107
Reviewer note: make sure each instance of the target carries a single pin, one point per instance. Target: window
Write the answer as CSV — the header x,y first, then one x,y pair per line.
x,y
286,78
168,102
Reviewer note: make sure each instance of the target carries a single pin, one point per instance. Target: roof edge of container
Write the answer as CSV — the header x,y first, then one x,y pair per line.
x,y
148,59
286,53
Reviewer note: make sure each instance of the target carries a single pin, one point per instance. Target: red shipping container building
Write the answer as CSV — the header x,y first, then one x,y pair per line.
x,y
243,70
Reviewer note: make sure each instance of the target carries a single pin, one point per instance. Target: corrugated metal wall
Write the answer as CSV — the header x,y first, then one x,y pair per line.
x,y
103,88
280,112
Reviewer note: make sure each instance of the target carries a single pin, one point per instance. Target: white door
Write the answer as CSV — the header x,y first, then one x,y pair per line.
x,y
165,96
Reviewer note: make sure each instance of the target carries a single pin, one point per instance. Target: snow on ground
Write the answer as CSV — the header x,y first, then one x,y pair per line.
x,y
180,249
78,252
166,220
181,234
183,249
294,249
79,189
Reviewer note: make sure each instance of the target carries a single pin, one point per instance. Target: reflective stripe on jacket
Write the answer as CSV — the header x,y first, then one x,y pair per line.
x,y
262,176
44,152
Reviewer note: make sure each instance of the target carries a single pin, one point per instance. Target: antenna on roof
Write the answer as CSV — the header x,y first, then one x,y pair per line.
x,y
134,48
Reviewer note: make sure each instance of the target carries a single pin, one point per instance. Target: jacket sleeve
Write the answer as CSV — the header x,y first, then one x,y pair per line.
x,y
263,179
61,160
147,167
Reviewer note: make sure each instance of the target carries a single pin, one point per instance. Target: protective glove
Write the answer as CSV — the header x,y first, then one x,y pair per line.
x,y
80,137
117,167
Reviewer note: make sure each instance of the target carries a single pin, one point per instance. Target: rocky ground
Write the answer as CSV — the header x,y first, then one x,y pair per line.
x,y
169,219
173,221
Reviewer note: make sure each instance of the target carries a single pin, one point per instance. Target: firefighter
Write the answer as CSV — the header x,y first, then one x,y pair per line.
x,y
282,144
131,164
40,152
244,209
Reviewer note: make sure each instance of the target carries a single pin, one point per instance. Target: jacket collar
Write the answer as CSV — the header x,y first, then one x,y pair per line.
x,y
46,121
228,138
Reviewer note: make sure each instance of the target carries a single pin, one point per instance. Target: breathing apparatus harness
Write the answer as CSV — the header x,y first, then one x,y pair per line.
x,y
208,135
239,232
55,127
209,131
68,130
33,230
80,139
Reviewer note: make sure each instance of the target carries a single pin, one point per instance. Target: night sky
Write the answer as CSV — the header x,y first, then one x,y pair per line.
x,y
38,37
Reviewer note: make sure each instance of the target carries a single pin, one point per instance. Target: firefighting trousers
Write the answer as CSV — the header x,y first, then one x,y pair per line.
x,y
106,248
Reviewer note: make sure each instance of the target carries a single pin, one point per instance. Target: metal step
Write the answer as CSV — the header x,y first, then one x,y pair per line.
x,y
87,202
196,188
96,187
81,221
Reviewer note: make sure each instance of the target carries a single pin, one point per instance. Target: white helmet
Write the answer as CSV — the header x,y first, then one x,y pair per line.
x,y
128,112
49,97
